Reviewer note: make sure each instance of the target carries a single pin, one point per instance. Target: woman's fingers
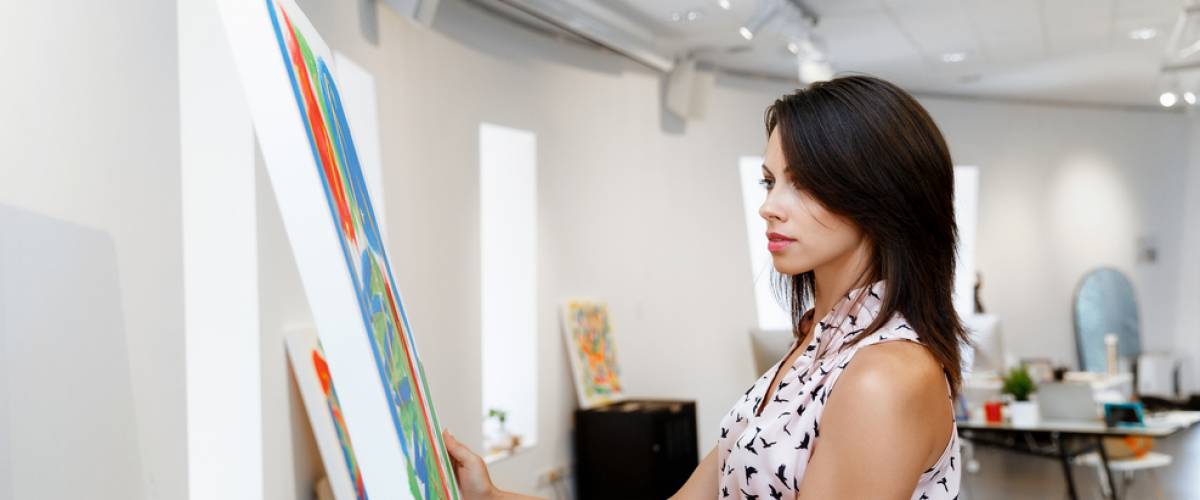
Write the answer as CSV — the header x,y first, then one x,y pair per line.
x,y
457,450
473,478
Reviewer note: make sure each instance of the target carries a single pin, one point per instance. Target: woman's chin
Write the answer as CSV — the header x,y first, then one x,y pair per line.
x,y
783,265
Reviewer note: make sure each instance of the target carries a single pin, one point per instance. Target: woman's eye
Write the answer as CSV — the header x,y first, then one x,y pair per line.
x,y
766,183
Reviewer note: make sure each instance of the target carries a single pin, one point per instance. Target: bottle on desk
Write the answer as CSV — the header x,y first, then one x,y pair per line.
x,y
1110,348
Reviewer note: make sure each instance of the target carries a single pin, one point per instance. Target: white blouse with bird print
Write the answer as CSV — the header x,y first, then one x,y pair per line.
x,y
764,456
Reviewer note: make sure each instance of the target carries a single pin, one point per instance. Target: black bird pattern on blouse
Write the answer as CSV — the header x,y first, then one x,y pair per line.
x,y
758,435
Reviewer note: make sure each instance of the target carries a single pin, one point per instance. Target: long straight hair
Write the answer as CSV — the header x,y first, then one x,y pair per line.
x,y
867,151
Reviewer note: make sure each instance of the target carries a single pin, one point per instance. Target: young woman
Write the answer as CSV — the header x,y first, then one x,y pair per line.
x,y
860,221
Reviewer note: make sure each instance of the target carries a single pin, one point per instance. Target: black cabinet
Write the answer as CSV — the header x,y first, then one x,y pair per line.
x,y
634,449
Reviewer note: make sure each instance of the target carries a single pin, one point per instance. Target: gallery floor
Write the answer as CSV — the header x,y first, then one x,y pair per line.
x,y
1006,476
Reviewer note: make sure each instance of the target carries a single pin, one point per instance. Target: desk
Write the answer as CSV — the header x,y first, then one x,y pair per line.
x,y
1070,438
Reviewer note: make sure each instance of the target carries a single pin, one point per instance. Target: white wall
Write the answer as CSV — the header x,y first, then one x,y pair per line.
x,y
649,219
1187,338
1064,190
645,212
91,136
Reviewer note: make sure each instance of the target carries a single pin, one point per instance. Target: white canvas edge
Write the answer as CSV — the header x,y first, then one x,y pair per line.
x,y
314,240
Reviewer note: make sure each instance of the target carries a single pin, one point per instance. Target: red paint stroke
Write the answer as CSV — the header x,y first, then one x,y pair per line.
x,y
321,138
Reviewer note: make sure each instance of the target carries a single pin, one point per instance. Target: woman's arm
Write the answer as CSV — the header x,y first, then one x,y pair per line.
x,y
703,482
885,423
473,479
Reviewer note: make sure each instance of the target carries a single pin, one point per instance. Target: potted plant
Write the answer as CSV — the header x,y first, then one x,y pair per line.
x,y
502,441
1019,385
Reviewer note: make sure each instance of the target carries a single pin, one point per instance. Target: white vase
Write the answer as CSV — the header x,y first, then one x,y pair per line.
x,y
1023,413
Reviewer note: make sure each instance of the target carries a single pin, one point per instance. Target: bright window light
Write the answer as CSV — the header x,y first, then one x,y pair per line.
x,y
508,275
771,315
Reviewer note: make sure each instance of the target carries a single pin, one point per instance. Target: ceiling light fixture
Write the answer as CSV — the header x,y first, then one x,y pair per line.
x,y
724,4
954,57
1143,34
762,15
690,15
1167,99
1189,98
793,48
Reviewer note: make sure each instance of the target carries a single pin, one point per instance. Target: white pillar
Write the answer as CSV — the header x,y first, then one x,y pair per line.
x,y
220,265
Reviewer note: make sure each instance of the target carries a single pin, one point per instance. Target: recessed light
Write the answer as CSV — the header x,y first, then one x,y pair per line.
x,y
1167,99
688,15
1189,98
746,33
724,4
954,57
1143,34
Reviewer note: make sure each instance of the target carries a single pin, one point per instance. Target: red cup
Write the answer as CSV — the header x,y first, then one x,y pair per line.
x,y
991,410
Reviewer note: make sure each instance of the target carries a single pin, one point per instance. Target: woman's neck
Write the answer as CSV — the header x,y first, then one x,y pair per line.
x,y
833,280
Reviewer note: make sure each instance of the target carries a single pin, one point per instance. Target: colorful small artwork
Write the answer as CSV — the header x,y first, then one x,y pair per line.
x,y
427,464
325,414
339,422
593,355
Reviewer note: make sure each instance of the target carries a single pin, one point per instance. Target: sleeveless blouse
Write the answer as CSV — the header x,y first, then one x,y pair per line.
x,y
765,456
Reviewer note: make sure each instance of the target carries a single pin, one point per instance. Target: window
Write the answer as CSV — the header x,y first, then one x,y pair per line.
x,y
508,239
771,315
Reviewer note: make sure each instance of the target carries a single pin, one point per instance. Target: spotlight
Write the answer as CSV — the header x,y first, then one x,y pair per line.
x,y
1167,99
1143,34
1189,97
954,57
760,19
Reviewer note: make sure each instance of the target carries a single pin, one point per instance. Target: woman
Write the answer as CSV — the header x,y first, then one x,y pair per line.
x,y
860,218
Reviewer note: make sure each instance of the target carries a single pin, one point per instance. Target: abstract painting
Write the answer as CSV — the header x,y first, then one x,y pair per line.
x,y
592,353
325,414
314,168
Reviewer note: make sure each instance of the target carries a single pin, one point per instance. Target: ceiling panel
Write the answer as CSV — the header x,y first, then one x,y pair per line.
x,y
936,27
1010,31
1078,25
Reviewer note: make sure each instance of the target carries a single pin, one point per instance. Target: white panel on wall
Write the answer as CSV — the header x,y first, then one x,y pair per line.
x,y
508,238
220,265
68,428
771,315
966,215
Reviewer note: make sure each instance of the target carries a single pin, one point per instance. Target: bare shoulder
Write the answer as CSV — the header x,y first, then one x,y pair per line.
x,y
895,370
902,380
889,413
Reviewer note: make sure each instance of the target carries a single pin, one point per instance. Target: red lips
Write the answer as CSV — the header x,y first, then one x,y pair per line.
x,y
777,242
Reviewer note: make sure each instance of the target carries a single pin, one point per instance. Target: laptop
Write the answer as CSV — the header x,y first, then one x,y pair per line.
x,y
1067,401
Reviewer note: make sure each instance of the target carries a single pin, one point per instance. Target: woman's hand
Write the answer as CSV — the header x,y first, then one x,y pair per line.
x,y
472,472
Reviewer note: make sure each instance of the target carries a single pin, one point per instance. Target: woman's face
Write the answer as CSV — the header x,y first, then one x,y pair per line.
x,y
802,234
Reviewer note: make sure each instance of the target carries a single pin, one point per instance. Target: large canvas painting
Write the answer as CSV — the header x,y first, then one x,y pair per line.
x,y
326,416
314,168
593,355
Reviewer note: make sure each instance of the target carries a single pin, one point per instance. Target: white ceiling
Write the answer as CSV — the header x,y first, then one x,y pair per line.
x,y
1061,50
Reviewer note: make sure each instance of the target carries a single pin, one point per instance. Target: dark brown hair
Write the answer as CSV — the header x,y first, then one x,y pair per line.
x,y
867,151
